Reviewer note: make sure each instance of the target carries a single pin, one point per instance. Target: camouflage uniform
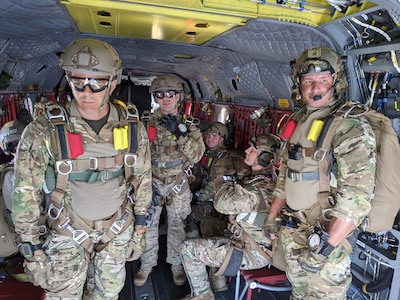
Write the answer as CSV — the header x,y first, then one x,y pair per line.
x,y
326,191
247,204
172,186
210,171
62,269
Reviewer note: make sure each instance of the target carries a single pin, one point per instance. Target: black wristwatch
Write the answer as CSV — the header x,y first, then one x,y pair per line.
x,y
28,250
317,242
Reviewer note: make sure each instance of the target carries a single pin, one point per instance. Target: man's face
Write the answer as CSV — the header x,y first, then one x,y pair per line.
x,y
213,140
168,101
251,155
89,102
316,85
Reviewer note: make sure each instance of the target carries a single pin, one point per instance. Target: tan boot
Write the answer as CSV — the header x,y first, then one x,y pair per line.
x,y
178,275
141,276
218,283
207,296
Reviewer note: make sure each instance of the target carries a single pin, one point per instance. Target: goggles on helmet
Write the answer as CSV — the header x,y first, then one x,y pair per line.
x,y
95,84
311,66
161,95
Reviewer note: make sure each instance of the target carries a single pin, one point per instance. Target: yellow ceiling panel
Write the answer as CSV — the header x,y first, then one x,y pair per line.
x,y
192,21
152,22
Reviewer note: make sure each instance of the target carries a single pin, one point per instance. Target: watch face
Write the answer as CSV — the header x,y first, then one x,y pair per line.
x,y
182,127
313,241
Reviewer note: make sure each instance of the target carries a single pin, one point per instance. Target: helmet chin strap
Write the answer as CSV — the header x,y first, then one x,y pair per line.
x,y
105,101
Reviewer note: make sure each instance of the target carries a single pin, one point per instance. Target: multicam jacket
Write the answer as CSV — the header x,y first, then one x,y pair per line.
x,y
351,179
166,148
248,202
214,165
93,201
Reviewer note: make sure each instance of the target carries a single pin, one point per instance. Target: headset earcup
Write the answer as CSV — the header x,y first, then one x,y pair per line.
x,y
265,158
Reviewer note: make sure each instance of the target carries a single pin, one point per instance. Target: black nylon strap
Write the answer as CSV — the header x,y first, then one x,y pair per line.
x,y
63,141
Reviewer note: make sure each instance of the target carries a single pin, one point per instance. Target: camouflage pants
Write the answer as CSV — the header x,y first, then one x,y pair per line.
x,y
331,282
177,213
211,222
63,270
197,254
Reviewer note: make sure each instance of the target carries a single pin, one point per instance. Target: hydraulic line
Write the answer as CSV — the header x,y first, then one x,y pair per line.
x,y
388,38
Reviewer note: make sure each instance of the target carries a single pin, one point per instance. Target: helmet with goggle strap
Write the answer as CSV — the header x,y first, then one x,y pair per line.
x,y
268,146
91,57
319,60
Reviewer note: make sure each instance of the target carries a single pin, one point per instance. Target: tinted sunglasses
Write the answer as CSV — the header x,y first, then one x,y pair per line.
x,y
95,84
168,94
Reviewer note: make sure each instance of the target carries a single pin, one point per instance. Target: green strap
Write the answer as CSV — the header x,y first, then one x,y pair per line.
x,y
92,176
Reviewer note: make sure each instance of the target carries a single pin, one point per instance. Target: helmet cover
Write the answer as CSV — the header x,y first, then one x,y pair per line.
x,y
92,57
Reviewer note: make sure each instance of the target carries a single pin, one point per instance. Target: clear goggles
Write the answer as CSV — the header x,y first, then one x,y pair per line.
x,y
168,94
95,84
311,66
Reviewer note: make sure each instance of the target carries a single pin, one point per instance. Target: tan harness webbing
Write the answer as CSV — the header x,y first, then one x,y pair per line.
x,y
241,240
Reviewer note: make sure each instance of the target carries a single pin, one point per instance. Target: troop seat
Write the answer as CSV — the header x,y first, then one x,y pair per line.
x,y
267,278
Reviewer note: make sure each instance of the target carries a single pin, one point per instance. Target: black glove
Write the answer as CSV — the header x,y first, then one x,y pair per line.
x,y
170,122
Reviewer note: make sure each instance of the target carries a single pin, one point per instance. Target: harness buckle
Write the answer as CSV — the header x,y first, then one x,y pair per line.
x,y
128,156
104,175
116,227
93,163
79,236
62,163
177,188
294,176
54,212
237,233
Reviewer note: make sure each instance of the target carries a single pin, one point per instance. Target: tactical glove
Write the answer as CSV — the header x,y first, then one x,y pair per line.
x,y
170,122
136,246
271,227
311,261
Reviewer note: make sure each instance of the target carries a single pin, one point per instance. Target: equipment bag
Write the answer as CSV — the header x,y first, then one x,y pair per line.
x,y
8,243
385,200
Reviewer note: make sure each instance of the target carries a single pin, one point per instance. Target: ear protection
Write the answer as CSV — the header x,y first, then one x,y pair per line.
x,y
265,158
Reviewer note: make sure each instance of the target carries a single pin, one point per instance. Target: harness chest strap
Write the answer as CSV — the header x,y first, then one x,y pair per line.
x,y
79,229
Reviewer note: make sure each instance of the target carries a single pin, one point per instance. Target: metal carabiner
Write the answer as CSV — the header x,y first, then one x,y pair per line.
x,y
56,215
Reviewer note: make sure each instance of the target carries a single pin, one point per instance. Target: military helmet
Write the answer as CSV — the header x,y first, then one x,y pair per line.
x,y
268,146
317,60
91,56
10,134
219,128
165,83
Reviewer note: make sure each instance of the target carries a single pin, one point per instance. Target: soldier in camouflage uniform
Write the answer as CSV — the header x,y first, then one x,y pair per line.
x,y
175,146
217,164
317,252
100,221
247,204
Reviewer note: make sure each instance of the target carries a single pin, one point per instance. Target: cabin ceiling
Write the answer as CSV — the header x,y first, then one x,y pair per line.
x,y
235,48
